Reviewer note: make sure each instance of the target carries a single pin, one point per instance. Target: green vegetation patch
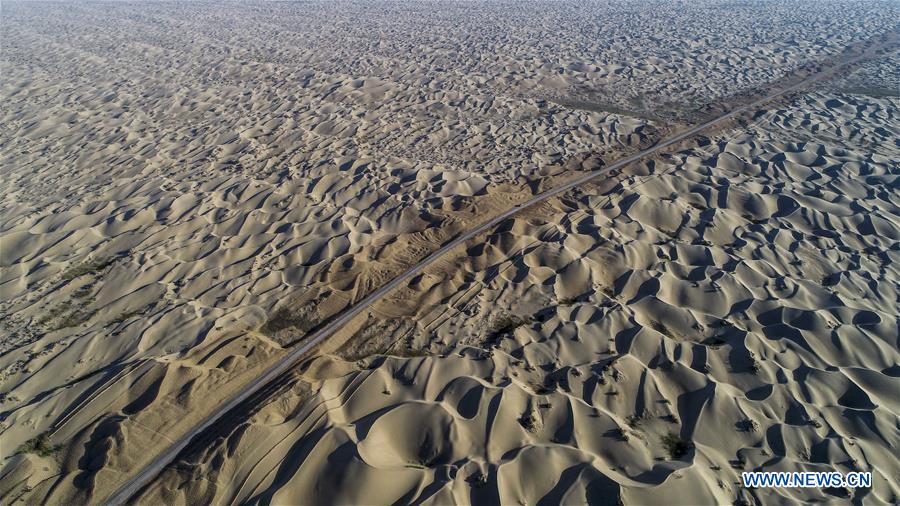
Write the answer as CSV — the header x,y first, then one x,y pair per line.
x,y
121,317
39,445
287,318
506,324
86,268
65,315
675,446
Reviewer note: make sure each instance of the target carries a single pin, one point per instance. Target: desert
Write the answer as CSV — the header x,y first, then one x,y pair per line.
x,y
192,190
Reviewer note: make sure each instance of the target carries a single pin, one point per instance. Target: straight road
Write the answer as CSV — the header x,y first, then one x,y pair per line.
x,y
133,485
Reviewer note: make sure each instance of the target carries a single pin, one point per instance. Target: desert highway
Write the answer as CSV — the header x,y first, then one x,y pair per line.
x,y
128,489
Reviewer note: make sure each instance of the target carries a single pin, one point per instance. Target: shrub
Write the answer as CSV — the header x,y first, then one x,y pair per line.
x,y
675,446
87,268
39,445
508,323
285,318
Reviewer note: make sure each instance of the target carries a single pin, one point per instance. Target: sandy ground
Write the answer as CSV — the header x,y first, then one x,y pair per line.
x,y
740,295
188,188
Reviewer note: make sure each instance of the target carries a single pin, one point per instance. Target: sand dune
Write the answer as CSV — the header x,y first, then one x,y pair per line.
x,y
740,296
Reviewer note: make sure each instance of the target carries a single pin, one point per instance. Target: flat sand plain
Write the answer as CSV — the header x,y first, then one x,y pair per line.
x,y
188,188
739,297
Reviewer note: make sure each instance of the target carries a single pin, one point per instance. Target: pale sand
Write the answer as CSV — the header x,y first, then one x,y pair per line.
x,y
754,314
173,174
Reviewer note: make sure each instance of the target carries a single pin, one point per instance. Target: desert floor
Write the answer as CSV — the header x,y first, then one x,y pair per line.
x,y
189,189
739,297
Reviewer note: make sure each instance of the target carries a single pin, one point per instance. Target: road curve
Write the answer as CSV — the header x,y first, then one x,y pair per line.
x,y
135,483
